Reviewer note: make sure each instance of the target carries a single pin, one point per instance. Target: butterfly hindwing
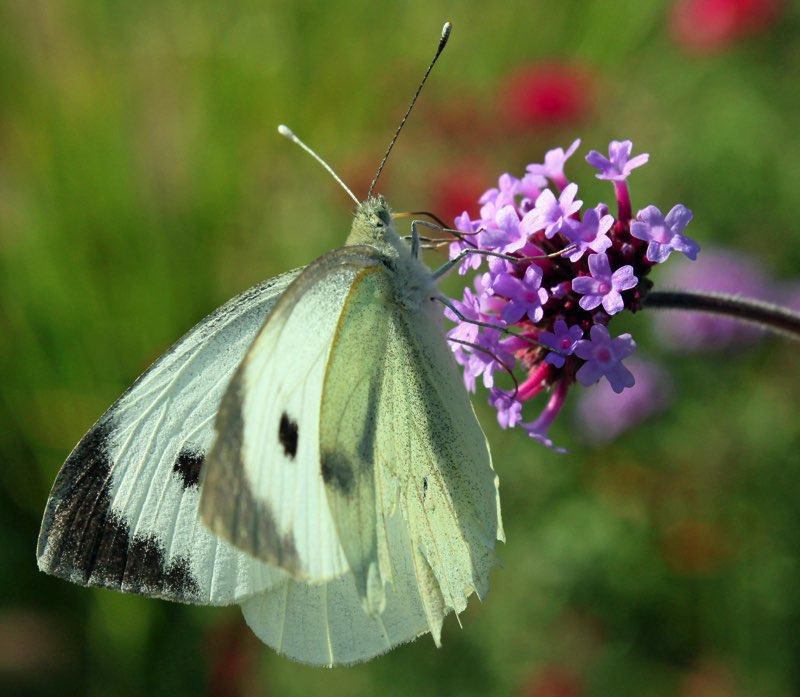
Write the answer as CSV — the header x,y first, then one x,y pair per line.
x,y
348,426
324,624
123,512
430,441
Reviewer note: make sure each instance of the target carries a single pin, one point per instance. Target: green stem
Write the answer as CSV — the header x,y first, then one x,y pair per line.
x,y
771,317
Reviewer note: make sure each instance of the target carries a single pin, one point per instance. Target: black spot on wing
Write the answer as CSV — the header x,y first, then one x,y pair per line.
x,y
287,434
84,541
337,471
227,503
188,465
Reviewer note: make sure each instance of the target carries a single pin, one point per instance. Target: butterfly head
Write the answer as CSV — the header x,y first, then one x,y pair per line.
x,y
372,224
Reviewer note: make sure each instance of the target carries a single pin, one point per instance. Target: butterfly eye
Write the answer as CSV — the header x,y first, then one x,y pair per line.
x,y
384,217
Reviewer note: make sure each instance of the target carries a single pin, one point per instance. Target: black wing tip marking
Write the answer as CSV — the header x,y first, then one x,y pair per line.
x,y
188,465
288,435
83,541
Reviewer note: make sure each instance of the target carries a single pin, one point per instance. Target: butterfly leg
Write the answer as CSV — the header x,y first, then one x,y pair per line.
x,y
415,236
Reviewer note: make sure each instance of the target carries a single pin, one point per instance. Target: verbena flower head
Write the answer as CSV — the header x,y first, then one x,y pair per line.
x,y
570,274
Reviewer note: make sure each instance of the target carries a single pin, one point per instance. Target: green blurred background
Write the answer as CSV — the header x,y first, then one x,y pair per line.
x,y
142,183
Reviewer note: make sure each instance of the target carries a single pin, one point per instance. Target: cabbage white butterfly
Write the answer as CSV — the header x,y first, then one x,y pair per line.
x,y
307,451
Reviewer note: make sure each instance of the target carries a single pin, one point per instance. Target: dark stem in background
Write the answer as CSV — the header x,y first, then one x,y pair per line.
x,y
771,317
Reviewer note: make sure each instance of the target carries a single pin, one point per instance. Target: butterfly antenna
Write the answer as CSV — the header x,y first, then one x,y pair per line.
x,y
286,132
442,43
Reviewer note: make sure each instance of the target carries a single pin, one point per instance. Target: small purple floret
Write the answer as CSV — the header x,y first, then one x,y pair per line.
x,y
503,195
503,233
664,233
563,338
509,409
526,296
603,356
603,286
471,261
618,165
553,167
551,214
590,233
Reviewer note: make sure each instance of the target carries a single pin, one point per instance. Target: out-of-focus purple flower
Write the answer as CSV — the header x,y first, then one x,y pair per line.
x,y
603,286
715,270
551,214
603,415
553,167
664,233
563,338
604,356
618,165
590,233
526,296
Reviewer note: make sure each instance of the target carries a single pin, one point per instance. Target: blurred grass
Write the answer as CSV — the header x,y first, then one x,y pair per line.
x,y
142,184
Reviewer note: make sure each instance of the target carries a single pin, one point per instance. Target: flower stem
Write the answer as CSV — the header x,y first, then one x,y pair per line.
x,y
771,317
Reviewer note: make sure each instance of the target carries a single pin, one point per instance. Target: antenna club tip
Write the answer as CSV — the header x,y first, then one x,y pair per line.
x,y
285,131
446,29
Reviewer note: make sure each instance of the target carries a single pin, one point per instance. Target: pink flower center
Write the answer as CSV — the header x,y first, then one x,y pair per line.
x,y
603,355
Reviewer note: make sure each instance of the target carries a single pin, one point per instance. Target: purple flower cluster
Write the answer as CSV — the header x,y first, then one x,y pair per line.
x,y
563,274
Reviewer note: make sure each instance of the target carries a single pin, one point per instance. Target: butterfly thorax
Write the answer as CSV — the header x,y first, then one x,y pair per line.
x,y
373,226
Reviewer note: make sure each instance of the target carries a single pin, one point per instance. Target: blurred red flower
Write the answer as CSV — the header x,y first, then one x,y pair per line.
x,y
554,681
458,189
705,26
547,94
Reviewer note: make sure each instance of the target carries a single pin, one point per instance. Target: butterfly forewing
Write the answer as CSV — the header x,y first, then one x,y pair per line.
x,y
263,488
123,512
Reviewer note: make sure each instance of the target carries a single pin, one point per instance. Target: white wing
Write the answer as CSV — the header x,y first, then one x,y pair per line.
x,y
262,488
410,487
123,512
325,624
